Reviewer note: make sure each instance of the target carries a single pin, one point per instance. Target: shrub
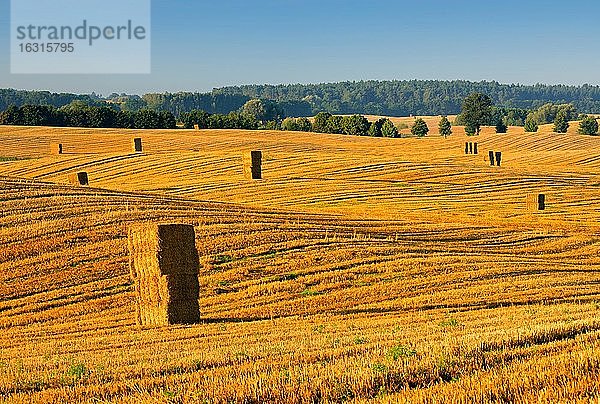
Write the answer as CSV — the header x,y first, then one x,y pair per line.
x,y
588,126
419,128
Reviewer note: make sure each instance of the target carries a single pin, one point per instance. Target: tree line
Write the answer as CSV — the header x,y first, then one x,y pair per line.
x,y
79,114
477,110
393,98
419,97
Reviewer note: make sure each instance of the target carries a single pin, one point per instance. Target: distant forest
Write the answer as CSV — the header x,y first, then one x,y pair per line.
x,y
403,98
393,98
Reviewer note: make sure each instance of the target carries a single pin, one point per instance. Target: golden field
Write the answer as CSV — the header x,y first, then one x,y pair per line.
x,y
357,270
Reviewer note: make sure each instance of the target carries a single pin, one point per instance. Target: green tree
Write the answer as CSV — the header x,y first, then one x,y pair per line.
x,y
296,124
561,124
419,128
303,124
255,108
547,113
501,127
470,129
166,120
133,103
531,124
262,110
125,119
102,117
147,119
217,121
247,122
588,126
320,122
335,124
194,117
388,129
271,125
476,111
40,115
76,114
289,124
11,116
445,127
356,125
375,128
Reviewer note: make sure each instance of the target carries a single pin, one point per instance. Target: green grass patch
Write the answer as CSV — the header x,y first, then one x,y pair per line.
x,y
451,322
401,351
221,259
309,292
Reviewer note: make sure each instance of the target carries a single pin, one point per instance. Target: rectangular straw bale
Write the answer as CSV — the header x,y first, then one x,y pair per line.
x,y
498,158
178,253
475,149
80,178
253,165
137,145
491,157
470,147
541,202
164,263
183,312
536,202
56,148
183,287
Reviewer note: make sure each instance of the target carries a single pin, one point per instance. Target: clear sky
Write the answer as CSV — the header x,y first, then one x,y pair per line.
x,y
198,45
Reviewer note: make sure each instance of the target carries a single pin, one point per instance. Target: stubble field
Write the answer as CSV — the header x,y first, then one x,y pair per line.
x,y
358,269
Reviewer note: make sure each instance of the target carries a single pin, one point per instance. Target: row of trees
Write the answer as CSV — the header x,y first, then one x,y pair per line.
x,y
357,125
477,110
297,124
19,98
79,114
559,114
588,126
232,120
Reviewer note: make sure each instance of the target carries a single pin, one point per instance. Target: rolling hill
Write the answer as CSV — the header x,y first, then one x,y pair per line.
x,y
388,270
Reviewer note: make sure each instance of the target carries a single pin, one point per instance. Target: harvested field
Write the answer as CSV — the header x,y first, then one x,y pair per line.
x,y
359,269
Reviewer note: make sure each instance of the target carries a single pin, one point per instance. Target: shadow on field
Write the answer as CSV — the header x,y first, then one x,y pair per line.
x,y
580,299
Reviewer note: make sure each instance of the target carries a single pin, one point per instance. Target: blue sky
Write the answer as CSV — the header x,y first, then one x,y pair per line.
x,y
198,45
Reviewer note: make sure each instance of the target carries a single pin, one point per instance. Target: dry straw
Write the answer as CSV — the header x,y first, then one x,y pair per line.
x,y
253,165
498,158
56,148
536,202
164,267
80,178
491,158
137,145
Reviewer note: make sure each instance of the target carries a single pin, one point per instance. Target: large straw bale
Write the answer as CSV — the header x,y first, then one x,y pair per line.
x,y
56,148
164,265
536,202
253,165
137,145
80,178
